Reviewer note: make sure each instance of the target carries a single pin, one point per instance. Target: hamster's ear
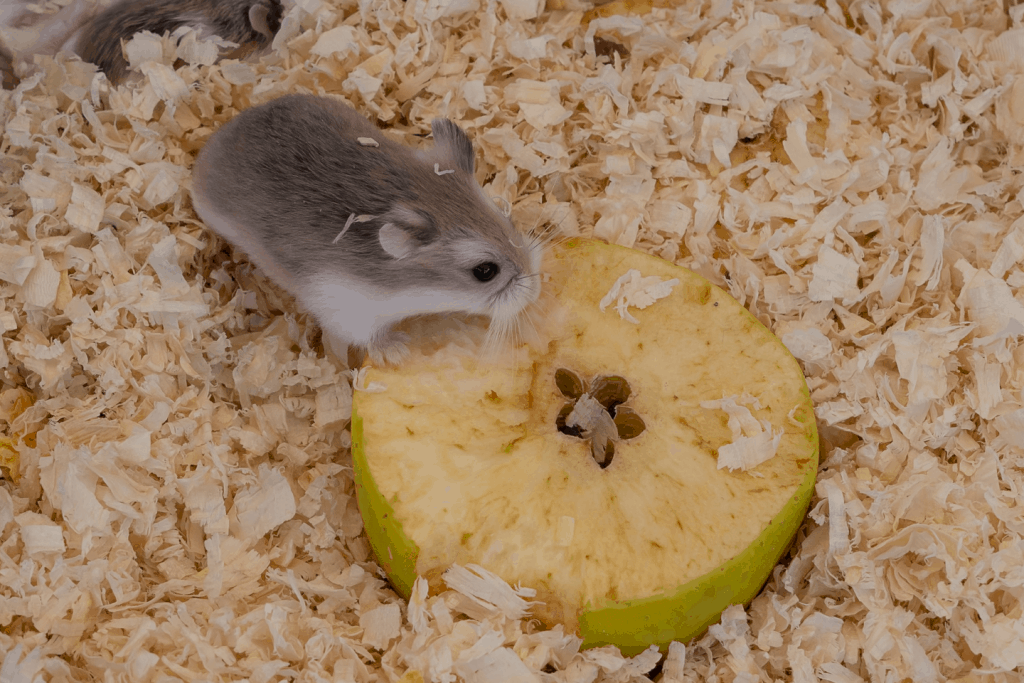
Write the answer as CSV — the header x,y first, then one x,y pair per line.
x,y
258,15
404,231
265,17
452,145
395,242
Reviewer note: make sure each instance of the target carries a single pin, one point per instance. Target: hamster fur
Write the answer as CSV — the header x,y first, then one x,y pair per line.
x,y
363,234
95,29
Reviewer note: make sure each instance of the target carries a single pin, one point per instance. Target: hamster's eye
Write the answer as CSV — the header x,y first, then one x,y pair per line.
x,y
486,271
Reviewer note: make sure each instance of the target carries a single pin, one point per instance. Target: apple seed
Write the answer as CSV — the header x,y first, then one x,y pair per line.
x,y
610,391
569,383
602,459
597,415
629,424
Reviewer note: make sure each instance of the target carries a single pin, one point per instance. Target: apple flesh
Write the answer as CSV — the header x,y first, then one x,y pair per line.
x,y
467,459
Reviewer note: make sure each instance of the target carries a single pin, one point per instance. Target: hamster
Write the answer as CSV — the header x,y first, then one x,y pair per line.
x,y
362,230
95,29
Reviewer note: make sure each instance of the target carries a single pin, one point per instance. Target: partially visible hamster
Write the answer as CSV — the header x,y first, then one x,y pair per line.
x,y
7,78
362,230
95,29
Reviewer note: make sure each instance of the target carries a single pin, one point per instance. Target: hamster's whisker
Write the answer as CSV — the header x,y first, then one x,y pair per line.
x,y
548,238
517,331
551,228
552,236
497,335
549,225
507,334
532,230
504,328
526,317
520,281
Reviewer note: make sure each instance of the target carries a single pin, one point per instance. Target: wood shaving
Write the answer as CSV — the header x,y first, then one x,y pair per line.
x,y
359,381
594,421
348,224
177,501
753,441
634,290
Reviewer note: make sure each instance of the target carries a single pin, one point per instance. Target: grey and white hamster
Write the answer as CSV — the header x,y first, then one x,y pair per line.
x,y
363,230
95,29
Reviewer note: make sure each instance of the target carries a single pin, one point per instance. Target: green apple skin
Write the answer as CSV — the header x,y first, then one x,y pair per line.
x,y
395,552
631,625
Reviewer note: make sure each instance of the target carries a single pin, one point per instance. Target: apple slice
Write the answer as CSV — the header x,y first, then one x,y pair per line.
x,y
592,469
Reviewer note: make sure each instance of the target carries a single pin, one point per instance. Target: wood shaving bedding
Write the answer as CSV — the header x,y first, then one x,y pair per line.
x,y
178,502
632,289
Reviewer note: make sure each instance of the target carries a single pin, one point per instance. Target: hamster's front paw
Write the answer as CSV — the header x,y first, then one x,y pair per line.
x,y
389,348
